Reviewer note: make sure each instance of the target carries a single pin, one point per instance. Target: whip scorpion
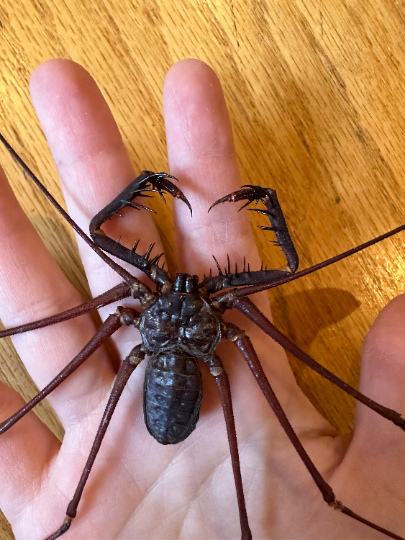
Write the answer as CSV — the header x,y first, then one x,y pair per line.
x,y
182,322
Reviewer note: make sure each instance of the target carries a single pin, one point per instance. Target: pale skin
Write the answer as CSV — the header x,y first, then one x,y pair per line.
x,y
139,489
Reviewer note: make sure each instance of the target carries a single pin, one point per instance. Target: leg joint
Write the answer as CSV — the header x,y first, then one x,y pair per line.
x,y
233,333
128,316
137,354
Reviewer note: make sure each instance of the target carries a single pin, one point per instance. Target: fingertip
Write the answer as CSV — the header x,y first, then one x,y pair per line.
x,y
72,111
195,109
187,74
56,80
56,66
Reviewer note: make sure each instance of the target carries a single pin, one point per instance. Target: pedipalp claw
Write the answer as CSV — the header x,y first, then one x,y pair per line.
x,y
219,201
248,193
163,185
272,211
166,175
257,193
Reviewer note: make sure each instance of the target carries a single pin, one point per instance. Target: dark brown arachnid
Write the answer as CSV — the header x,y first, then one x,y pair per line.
x,y
181,322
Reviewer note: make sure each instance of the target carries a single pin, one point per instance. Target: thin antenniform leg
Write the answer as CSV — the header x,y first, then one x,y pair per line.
x,y
221,378
127,367
246,306
116,293
112,323
271,283
139,290
245,346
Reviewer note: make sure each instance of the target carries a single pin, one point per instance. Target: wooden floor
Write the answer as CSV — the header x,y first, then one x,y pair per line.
x,y
316,96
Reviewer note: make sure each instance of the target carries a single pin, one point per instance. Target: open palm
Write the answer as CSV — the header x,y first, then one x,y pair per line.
x,y
139,489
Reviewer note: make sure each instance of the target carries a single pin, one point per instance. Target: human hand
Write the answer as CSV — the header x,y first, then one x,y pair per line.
x,y
138,488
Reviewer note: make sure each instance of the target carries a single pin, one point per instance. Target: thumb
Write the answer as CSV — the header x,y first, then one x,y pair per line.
x,y
383,374
375,461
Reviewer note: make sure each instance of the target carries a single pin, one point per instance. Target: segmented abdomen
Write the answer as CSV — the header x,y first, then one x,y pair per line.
x,y
172,396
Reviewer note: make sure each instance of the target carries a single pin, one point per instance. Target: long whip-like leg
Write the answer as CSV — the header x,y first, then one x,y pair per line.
x,y
139,289
246,306
127,367
112,323
270,284
221,378
245,346
118,292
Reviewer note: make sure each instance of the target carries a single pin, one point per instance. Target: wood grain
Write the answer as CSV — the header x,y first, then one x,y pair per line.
x,y
315,92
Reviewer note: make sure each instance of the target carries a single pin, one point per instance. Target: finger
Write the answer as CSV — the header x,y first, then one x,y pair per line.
x,y
93,166
202,155
201,152
91,159
383,379
32,287
25,453
370,469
